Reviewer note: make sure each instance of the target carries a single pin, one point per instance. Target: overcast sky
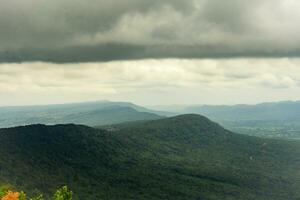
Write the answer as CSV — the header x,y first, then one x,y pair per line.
x,y
149,52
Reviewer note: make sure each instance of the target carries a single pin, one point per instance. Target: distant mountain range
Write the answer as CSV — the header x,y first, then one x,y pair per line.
x,y
276,111
186,157
277,119
89,113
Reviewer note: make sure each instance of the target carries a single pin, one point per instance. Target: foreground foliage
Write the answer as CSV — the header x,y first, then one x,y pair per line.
x,y
61,194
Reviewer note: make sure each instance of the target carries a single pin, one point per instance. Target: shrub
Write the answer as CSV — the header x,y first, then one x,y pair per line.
x,y
11,196
61,194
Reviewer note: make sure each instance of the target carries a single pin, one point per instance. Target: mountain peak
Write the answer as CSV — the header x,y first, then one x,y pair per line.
x,y
190,120
184,128
189,117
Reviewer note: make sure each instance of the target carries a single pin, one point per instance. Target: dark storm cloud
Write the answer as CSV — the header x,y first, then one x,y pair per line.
x,y
98,30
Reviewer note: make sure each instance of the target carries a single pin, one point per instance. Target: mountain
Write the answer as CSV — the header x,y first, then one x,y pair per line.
x,y
184,157
274,119
173,108
89,113
276,111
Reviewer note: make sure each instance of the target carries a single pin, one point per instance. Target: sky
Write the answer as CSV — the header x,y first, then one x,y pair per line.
x,y
149,52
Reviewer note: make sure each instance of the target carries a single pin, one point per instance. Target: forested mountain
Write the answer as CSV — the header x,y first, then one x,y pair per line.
x,y
90,113
277,119
184,157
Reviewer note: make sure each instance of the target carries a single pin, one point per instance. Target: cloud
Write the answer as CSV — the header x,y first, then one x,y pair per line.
x,y
152,81
98,30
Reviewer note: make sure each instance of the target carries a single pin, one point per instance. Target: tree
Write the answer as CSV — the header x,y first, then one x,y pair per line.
x,y
63,194
40,197
4,190
11,196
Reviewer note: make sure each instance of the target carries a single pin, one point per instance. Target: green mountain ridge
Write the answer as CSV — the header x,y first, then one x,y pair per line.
x,y
88,113
184,157
271,119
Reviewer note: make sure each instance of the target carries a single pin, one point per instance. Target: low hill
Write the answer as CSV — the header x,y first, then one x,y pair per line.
x,y
277,119
184,157
89,113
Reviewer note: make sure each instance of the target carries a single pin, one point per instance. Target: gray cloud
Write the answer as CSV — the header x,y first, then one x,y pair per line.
x,y
98,30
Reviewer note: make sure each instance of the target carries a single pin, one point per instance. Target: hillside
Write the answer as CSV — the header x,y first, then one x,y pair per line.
x,y
89,113
184,157
278,119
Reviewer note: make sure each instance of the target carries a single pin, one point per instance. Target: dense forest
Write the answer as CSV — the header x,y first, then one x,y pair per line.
x,y
183,157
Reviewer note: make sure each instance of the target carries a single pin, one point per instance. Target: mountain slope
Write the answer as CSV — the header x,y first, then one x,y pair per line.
x,y
280,119
90,113
184,157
